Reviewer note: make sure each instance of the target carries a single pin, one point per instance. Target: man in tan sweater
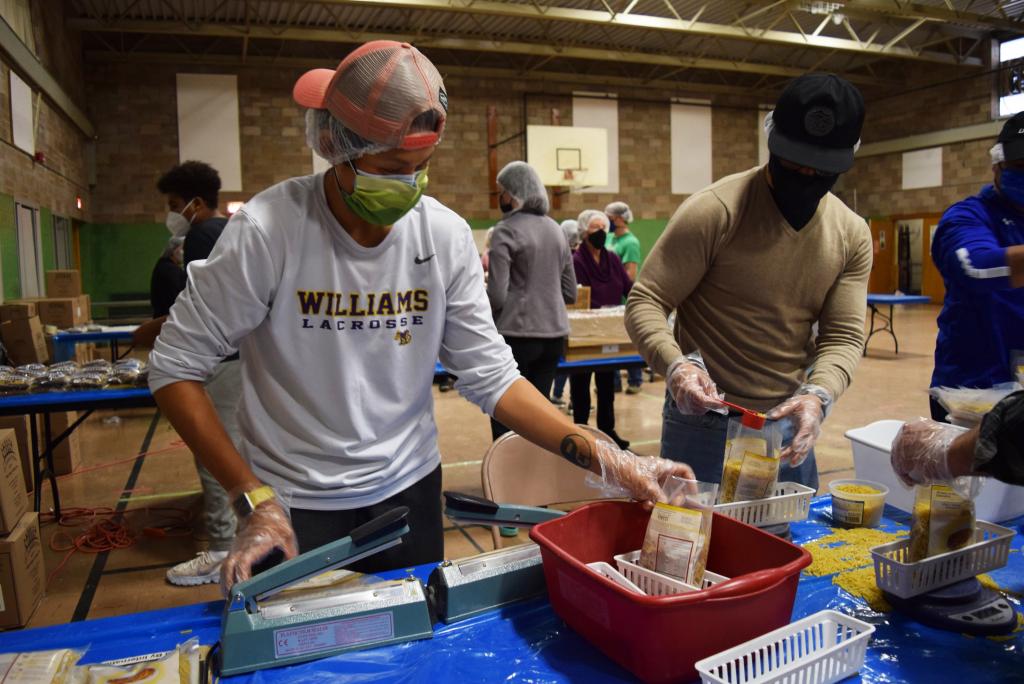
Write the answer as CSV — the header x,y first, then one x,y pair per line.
x,y
749,264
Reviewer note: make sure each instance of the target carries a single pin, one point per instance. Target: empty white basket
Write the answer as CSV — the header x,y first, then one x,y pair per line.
x,y
901,577
820,649
654,583
614,575
790,502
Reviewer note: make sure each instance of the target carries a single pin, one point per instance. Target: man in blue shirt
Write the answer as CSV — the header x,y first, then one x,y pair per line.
x,y
979,249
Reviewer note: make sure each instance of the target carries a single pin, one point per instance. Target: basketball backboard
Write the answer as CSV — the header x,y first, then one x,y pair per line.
x,y
571,156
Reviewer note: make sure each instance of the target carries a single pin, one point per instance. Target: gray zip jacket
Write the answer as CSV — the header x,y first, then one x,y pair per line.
x,y
531,277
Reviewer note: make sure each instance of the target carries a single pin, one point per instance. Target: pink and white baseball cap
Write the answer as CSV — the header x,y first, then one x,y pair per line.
x,y
377,91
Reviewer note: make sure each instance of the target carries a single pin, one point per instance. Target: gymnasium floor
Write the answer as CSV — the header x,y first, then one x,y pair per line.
x,y
127,580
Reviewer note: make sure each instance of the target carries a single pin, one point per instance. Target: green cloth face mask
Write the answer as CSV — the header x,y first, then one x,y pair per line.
x,y
382,200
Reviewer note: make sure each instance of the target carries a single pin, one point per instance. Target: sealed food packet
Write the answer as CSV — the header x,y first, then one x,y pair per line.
x,y
943,519
679,533
180,666
38,667
751,466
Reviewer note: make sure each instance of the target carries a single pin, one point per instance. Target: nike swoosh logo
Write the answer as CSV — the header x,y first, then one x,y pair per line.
x,y
423,261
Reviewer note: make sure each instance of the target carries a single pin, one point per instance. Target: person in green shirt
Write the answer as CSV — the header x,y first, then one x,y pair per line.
x,y
625,244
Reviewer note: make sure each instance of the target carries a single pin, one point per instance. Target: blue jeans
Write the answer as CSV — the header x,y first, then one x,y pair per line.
x,y
700,442
634,376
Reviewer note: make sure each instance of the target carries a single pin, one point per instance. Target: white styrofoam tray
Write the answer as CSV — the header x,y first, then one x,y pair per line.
x,y
871,445
822,648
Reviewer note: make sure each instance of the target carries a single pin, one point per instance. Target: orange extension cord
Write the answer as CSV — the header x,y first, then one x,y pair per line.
x,y
107,528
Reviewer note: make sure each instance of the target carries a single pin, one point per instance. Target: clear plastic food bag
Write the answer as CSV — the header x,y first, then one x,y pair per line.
x,y
180,666
679,533
967,406
943,518
38,667
751,465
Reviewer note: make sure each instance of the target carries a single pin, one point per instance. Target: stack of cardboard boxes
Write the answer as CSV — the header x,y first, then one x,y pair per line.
x,y
22,332
22,576
22,320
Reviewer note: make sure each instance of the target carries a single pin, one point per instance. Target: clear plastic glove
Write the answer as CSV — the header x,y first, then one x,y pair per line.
x,y
693,390
806,412
920,453
268,528
640,477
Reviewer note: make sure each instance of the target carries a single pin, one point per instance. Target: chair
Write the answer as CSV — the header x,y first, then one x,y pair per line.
x,y
517,471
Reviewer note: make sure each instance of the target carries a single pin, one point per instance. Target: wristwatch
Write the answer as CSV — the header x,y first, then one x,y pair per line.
x,y
247,502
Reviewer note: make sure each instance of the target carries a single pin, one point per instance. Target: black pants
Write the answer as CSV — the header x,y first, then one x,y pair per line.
x,y
579,393
423,544
538,361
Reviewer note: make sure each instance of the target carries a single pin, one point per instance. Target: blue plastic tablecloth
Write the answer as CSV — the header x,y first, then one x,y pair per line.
x,y
898,299
528,643
74,400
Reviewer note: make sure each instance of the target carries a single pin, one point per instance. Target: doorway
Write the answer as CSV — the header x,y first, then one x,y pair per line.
x,y
30,251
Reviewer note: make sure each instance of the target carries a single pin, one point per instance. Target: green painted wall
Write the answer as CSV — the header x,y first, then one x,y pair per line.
x,y
118,258
9,249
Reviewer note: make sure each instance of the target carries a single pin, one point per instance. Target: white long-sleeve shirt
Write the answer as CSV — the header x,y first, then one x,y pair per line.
x,y
338,341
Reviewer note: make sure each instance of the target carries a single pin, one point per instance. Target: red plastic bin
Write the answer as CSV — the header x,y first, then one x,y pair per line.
x,y
660,638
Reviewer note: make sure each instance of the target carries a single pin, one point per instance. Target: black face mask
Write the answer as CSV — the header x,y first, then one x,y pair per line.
x,y
505,207
797,195
597,238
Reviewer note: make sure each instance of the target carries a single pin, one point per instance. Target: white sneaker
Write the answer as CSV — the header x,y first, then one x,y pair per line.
x,y
203,569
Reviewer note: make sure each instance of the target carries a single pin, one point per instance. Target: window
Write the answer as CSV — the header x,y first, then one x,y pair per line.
x,y
1010,86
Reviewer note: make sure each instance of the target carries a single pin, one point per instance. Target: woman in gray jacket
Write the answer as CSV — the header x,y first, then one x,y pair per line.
x,y
530,279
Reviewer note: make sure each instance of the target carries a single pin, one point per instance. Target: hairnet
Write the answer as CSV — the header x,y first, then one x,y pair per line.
x,y
571,229
521,180
330,139
588,215
619,209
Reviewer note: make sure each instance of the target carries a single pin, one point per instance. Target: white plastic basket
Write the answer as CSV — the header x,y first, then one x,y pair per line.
x,y
654,583
901,577
614,575
820,649
790,502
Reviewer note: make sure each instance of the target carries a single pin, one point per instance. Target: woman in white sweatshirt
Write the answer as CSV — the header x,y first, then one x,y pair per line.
x,y
340,290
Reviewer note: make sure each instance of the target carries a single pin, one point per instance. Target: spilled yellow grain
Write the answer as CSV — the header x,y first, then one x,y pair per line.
x,y
846,549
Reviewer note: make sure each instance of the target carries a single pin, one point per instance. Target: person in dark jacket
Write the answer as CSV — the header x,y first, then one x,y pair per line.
x,y
168,278
979,249
530,278
602,271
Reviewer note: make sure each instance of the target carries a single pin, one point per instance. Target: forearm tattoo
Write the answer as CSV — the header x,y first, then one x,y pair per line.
x,y
576,448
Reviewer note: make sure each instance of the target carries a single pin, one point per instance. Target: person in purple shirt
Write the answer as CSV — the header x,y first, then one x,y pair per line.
x,y
602,271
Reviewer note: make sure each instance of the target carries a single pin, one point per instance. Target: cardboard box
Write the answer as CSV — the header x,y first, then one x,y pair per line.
x,y
603,324
64,312
13,501
22,575
20,426
18,309
24,340
68,454
63,283
582,298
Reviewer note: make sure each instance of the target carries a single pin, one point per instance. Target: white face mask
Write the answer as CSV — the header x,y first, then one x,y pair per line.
x,y
176,222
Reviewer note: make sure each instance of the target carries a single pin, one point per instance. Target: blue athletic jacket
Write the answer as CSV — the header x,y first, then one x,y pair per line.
x,y
982,319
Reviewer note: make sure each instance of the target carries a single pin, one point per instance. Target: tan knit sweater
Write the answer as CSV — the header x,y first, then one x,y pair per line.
x,y
747,289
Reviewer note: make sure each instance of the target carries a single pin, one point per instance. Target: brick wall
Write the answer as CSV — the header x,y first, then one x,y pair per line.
x,y
63,176
133,107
